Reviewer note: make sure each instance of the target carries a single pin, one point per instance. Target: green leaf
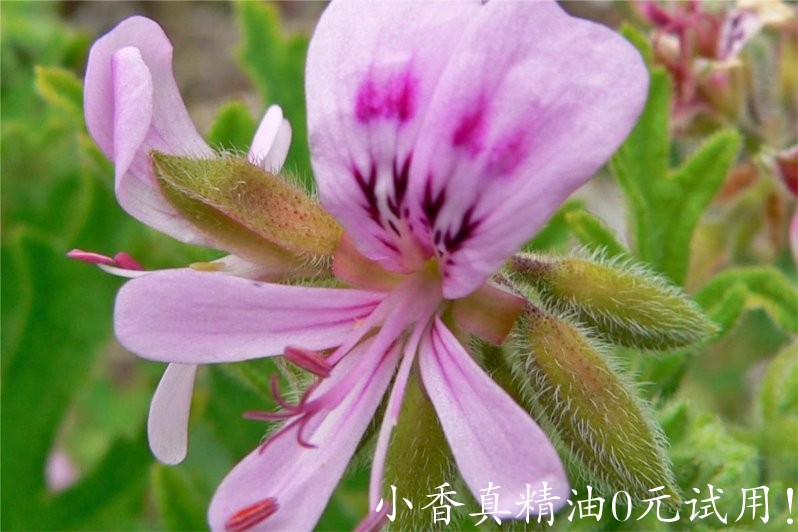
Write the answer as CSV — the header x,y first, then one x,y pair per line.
x,y
181,504
778,406
762,287
50,361
233,128
108,496
228,402
555,232
666,206
62,89
639,40
778,394
704,451
276,63
593,233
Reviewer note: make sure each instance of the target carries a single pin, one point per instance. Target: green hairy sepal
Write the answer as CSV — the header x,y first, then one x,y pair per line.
x,y
250,212
569,383
418,459
624,302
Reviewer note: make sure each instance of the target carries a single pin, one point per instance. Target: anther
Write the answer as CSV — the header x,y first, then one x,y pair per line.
x,y
309,361
252,515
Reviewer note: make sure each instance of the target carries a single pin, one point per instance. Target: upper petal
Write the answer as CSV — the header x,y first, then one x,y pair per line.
x,y
301,479
133,106
196,317
271,142
492,439
367,92
497,133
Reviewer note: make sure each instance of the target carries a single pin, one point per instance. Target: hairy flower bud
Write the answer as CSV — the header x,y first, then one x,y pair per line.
x,y
625,303
250,212
419,458
571,386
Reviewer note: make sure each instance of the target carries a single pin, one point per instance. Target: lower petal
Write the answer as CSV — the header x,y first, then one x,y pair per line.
x,y
194,317
493,440
167,425
300,480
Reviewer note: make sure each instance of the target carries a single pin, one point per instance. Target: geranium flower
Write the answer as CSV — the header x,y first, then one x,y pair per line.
x,y
132,108
442,138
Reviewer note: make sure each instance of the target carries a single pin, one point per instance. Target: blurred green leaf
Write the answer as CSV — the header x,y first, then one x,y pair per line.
x,y
108,497
276,63
50,361
555,232
764,287
181,504
593,233
778,405
704,451
233,128
639,40
228,402
779,390
665,206
62,89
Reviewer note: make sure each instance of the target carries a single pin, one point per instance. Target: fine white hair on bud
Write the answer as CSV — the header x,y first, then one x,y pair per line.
x,y
567,378
247,210
624,301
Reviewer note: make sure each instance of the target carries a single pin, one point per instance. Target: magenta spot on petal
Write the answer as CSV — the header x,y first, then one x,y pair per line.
x,y
368,102
469,132
391,96
507,154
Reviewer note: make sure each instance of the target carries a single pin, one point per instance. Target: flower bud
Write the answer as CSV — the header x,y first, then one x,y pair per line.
x,y
250,212
574,391
625,303
418,458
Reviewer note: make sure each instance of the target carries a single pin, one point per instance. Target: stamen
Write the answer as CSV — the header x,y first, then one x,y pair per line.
x,y
309,361
300,438
252,515
90,257
123,260
275,387
259,415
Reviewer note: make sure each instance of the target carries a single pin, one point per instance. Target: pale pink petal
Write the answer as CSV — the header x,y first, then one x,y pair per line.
x,y
196,317
271,142
133,106
518,122
276,157
60,471
491,437
367,92
301,479
465,143
167,425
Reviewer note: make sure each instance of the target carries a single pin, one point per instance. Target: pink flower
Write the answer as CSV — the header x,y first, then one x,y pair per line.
x,y
442,138
133,107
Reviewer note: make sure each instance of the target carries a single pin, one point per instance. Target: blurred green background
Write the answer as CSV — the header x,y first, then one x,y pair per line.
x,y
74,403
